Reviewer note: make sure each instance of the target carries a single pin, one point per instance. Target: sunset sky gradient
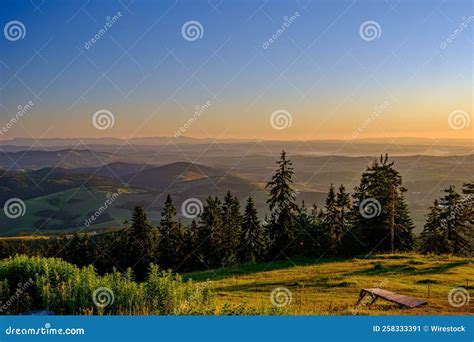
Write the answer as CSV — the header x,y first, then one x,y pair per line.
x,y
319,70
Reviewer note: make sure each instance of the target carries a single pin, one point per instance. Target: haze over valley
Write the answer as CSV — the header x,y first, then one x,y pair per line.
x,y
64,181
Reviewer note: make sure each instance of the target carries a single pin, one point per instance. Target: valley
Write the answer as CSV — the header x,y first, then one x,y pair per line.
x,y
62,187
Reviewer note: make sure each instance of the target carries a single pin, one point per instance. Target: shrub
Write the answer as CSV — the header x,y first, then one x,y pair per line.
x,y
66,289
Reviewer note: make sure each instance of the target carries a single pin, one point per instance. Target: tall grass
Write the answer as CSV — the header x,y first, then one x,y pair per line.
x,y
66,289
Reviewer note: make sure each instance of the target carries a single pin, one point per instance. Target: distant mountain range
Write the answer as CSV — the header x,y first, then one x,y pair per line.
x,y
59,200
33,159
190,140
31,184
185,146
62,187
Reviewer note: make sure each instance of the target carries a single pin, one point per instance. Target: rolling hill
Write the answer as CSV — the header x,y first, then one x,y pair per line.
x,y
31,184
150,175
116,170
60,200
161,178
67,158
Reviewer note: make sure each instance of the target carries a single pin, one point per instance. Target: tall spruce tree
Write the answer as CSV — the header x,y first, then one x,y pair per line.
x,y
303,227
190,247
283,209
433,238
210,233
381,220
171,246
331,222
453,221
254,242
143,241
343,201
309,241
449,224
468,192
231,229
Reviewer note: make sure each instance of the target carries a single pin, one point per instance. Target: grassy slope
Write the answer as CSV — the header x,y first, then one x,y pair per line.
x,y
77,203
331,287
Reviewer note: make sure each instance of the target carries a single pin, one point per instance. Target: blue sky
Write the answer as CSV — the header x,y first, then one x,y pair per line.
x,y
319,69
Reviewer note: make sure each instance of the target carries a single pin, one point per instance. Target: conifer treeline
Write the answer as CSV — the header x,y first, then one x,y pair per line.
x,y
375,218
449,225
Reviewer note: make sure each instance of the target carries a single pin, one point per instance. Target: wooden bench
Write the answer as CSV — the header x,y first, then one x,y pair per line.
x,y
405,301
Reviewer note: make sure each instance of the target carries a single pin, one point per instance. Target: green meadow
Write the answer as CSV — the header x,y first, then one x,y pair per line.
x,y
332,286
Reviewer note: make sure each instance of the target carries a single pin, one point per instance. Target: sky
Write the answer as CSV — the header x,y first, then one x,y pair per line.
x,y
279,70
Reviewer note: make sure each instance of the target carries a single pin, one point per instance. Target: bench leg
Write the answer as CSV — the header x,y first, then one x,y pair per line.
x,y
374,298
361,296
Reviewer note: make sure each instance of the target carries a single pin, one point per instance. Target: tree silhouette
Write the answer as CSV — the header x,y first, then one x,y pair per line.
x,y
171,246
142,243
254,242
388,225
283,209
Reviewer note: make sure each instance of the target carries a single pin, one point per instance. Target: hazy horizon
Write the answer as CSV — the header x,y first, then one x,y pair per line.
x,y
283,71
411,139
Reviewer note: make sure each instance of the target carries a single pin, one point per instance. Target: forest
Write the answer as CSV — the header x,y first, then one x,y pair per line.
x,y
374,218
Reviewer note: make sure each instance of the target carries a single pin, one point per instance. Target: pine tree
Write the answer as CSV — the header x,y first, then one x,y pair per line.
x,y
404,239
452,221
381,220
118,245
283,208
331,222
142,244
5,249
231,229
309,240
76,249
468,216
432,238
171,237
449,224
190,246
343,202
254,237
210,233
303,228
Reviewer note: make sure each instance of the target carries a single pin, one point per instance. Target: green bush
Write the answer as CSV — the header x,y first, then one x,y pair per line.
x,y
66,289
